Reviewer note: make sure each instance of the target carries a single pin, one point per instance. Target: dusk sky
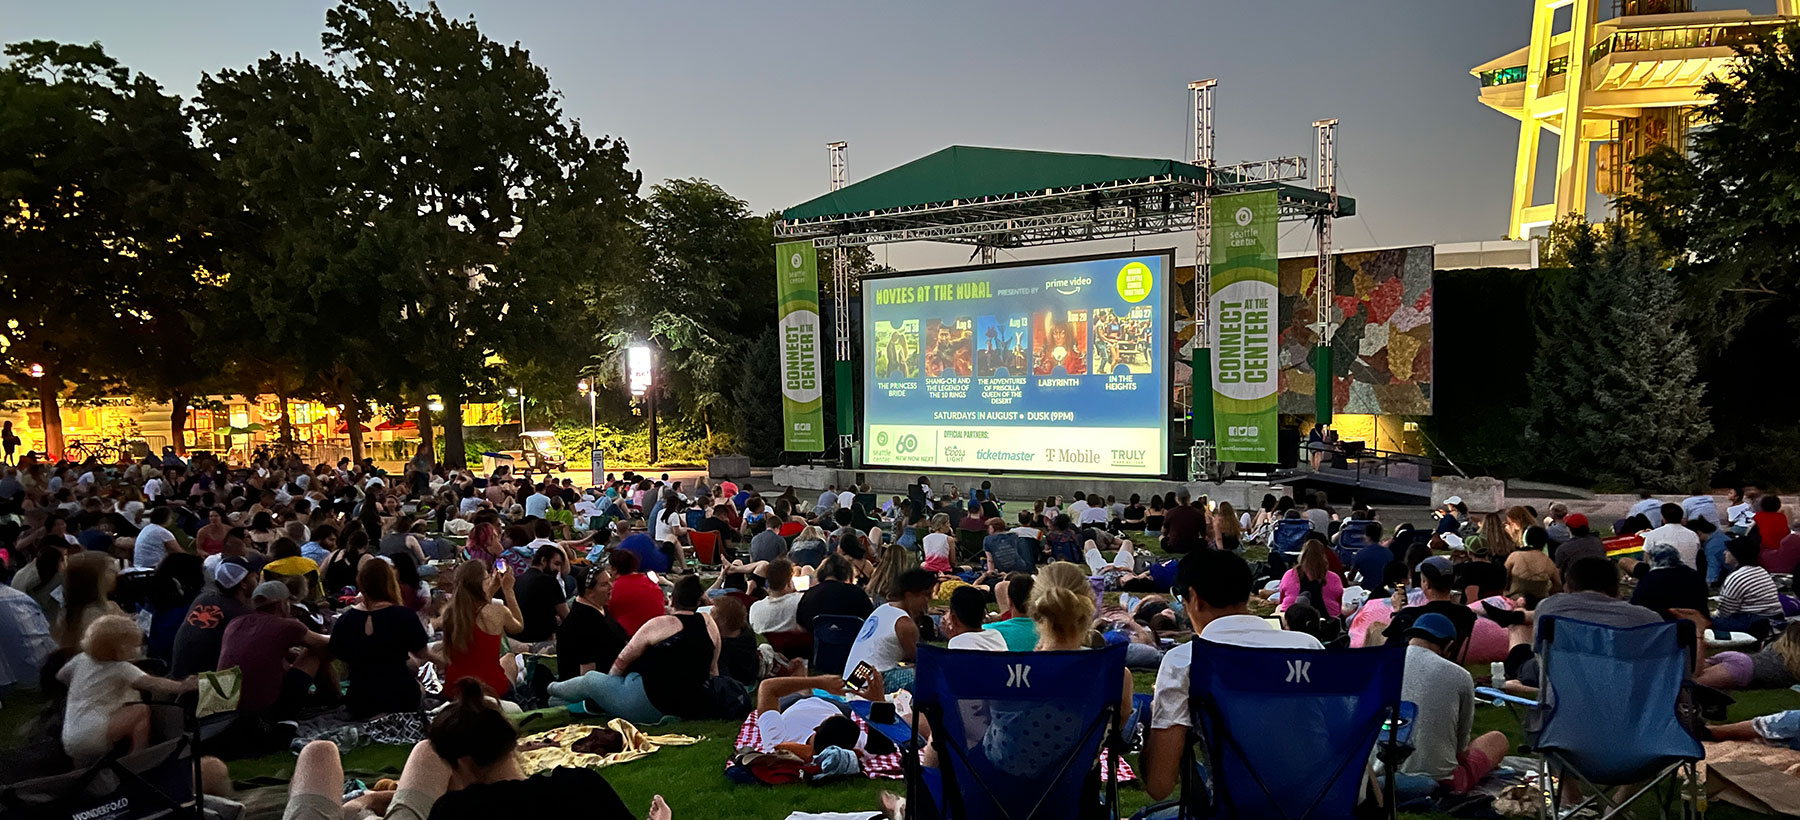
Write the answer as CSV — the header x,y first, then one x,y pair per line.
x,y
748,94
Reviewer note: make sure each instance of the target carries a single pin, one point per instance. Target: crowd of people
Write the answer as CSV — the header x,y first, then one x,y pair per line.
x,y
346,590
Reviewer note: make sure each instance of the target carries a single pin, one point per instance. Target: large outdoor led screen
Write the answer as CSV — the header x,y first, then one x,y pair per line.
x,y
1041,367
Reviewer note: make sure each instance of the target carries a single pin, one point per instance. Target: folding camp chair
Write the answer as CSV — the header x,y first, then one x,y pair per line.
x,y
1288,733
1289,534
1622,733
832,636
968,545
1016,733
162,781
706,546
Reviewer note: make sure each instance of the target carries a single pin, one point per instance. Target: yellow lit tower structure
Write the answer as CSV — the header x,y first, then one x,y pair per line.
x,y
1625,84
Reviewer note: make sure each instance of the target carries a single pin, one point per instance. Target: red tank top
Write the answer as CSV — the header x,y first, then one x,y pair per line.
x,y
480,661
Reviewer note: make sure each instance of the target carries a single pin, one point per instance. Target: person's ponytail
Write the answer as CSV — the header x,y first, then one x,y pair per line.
x,y
472,728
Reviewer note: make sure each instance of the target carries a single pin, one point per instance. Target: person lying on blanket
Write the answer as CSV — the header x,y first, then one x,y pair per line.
x,y
810,724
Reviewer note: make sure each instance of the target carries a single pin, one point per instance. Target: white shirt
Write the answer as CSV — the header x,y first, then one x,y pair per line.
x,y
152,544
877,643
1741,515
96,690
1076,509
1169,707
981,639
846,499
1700,506
1685,541
936,544
154,488
797,724
775,613
1094,515
537,504
1649,508
1028,532
665,526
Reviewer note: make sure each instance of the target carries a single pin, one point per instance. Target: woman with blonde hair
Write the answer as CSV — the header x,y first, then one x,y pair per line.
x,y
895,559
1227,527
88,581
1518,520
473,625
104,707
1312,576
939,545
1062,608
1495,534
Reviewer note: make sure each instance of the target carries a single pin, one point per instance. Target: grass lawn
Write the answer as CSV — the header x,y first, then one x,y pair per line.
x,y
690,777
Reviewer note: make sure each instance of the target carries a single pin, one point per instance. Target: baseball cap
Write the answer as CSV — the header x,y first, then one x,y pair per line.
x,y
1453,501
1434,627
1438,564
231,571
1576,520
269,591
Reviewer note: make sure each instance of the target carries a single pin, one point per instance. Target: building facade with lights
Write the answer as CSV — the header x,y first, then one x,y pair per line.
x,y
1608,91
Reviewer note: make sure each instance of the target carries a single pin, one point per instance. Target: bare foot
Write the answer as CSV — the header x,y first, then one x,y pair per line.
x,y
893,805
659,810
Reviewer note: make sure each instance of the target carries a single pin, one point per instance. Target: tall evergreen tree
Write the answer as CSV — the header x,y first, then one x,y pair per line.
x,y
1616,393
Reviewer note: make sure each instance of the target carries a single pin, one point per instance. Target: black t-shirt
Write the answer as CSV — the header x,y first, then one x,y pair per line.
x,y
202,632
540,593
560,792
375,645
1462,617
832,598
587,636
740,660
1487,575
713,523
1676,587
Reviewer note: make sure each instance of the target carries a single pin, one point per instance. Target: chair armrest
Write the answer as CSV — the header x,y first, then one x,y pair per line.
x,y
1499,696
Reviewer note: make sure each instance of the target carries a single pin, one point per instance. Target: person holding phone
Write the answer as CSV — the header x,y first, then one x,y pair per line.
x,y
890,635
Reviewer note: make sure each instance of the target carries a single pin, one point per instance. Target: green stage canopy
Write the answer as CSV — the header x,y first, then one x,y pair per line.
x,y
961,176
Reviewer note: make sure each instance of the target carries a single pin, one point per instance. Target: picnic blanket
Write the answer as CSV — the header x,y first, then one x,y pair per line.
x,y
881,767
553,749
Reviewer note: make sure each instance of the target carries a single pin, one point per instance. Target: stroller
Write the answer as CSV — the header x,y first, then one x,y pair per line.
x,y
162,781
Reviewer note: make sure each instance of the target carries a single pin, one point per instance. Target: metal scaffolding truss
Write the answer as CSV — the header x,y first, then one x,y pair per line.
x,y
1107,210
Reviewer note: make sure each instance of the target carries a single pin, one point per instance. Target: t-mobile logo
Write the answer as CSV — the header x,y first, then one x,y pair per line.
x,y
1018,676
1297,671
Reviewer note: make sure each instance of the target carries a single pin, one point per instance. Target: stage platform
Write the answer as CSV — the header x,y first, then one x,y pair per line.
x,y
1016,488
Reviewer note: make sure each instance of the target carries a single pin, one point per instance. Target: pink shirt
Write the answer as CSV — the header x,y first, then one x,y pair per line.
x,y
1334,592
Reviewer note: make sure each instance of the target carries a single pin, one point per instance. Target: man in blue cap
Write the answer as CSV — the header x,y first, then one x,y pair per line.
x,y
1445,695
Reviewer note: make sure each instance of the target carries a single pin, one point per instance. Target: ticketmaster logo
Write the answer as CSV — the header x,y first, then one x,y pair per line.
x,y
1243,431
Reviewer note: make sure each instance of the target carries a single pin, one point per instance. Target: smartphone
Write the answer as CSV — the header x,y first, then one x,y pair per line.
x,y
859,677
503,567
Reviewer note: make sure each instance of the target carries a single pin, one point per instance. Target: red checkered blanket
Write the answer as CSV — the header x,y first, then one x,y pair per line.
x,y
882,767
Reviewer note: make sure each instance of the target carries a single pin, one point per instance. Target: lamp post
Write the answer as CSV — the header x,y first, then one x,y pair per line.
x,y
582,387
640,370
514,391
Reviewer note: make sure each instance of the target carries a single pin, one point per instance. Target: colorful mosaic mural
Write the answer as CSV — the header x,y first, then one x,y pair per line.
x,y
1382,352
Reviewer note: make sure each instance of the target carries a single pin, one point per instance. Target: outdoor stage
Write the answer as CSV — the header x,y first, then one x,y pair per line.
x,y
1019,488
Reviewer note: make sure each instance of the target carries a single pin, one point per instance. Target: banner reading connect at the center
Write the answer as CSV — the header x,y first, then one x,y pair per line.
x,y
1243,309
797,303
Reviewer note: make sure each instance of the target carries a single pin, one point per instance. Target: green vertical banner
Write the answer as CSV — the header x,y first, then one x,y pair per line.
x,y
802,382
1245,295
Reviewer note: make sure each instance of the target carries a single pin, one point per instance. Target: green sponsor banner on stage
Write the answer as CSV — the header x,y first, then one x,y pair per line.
x,y
1245,294
802,384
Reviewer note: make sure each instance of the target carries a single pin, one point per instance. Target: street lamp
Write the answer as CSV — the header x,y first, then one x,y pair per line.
x,y
585,390
640,375
514,391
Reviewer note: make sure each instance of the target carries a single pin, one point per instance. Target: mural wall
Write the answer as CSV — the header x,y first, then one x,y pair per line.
x,y
1381,304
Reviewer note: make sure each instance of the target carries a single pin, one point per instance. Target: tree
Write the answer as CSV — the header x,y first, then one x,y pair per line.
x,y
706,290
105,232
1731,206
756,399
499,210
1616,394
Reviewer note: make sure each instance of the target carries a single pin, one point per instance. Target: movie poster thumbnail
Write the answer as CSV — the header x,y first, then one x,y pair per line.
x,y
949,348
1122,341
1002,346
1059,339
897,350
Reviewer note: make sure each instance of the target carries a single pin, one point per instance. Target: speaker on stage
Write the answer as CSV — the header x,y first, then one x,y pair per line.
x,y
1290,447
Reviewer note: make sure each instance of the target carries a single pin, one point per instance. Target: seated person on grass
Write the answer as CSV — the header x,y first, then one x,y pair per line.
x,y
1443,755
467,768
890,635
963,623
1017,628
260,643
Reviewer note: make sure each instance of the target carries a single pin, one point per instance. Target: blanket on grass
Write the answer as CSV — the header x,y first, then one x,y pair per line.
x,y
880,767
555,748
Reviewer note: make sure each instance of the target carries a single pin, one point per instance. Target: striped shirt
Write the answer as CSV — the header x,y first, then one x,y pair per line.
x,y
1750,590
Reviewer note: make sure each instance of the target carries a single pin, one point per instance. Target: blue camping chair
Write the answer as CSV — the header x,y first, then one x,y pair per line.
x,y
1287,733
1017,733
1624,732
832,637
1290,533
